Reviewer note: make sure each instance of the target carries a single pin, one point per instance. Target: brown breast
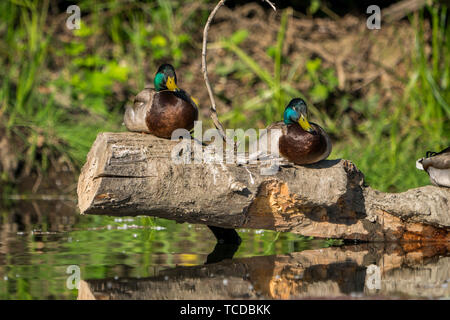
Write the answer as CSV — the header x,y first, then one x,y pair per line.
x,y
301,147
168,113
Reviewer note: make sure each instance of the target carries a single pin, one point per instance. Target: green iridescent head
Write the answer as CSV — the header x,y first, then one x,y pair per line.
x,y
297,112
165,78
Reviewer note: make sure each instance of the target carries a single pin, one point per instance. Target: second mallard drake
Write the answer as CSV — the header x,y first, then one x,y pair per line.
x,y
162,110
299,141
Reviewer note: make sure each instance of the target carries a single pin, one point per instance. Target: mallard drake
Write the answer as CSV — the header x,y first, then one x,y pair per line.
x,y
299,141
437,165
162,109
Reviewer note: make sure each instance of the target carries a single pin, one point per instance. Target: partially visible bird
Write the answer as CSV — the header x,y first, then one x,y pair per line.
x,y
299,141
437,165
162,109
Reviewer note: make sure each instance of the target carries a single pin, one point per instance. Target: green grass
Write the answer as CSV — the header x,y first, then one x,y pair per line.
x,y
55,114
395,136
59,88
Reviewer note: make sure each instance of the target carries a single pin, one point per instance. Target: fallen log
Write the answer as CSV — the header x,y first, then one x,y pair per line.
x,y
131,174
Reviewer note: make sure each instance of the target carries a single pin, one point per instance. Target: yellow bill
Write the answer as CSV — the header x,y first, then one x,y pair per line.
x,y
305,124
170,84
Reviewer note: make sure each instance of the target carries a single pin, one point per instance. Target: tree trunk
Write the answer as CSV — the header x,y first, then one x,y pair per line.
x,y
130,174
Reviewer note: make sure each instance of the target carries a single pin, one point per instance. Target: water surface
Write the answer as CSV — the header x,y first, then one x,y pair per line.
x,y
46,248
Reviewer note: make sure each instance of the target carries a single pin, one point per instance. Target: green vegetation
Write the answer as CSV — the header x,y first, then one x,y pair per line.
x,y
394,136
387,139
59,88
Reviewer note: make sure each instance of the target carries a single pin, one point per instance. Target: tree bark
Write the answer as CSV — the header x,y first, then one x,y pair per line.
x,y
130,174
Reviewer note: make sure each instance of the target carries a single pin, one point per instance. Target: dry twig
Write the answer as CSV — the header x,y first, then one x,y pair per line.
x,y
401,9
213,110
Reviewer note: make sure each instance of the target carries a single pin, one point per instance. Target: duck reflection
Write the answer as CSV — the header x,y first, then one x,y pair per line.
x,y
358,271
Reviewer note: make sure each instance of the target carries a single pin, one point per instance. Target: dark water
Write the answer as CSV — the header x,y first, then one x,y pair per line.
x,y
47,249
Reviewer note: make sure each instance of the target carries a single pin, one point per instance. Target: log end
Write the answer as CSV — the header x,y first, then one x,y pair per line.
x,y
88,183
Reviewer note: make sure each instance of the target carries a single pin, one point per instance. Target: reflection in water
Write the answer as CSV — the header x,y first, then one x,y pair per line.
x,y
145,258
391,271
222,251
41,240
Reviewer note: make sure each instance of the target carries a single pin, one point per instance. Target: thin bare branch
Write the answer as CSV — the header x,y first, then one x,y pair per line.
x,y
270,4
213,110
